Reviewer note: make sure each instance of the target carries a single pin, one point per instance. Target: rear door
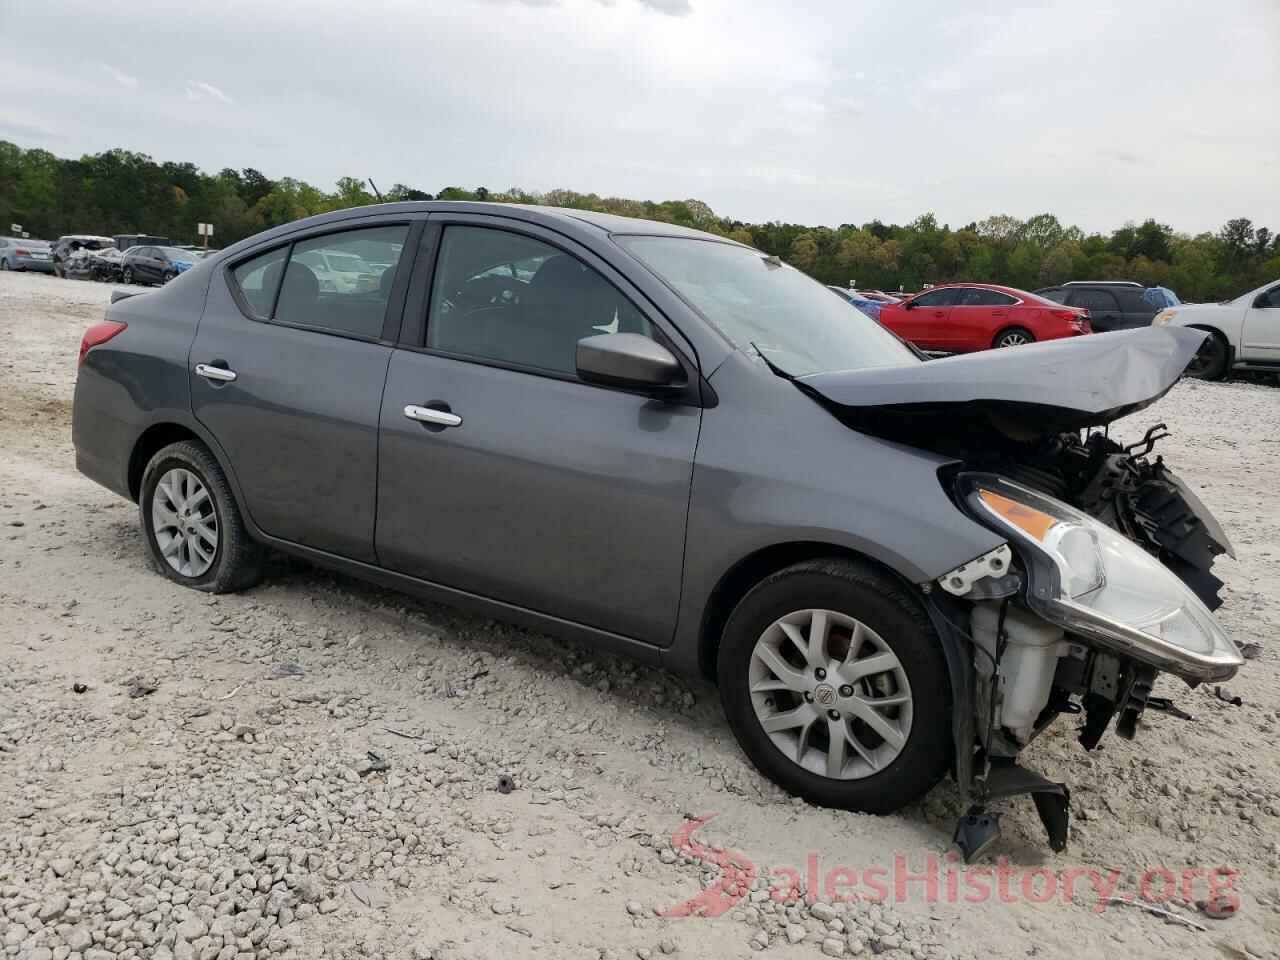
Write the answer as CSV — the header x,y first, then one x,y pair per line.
x,y
1104,309
288,374
533,487
979,316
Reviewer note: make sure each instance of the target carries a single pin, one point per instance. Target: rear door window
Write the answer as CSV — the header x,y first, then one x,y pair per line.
x,y
1095,301
977,297
338,282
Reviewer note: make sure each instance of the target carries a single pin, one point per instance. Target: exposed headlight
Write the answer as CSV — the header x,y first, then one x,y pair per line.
x,y
1095,582
1163,317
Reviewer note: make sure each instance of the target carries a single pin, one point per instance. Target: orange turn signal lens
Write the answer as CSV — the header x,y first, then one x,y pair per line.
x,y
1028,519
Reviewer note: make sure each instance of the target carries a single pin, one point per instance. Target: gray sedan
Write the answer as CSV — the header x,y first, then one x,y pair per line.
x,y
669,444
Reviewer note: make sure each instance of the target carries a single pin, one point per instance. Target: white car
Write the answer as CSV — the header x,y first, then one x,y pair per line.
x,y
340,272
1245,332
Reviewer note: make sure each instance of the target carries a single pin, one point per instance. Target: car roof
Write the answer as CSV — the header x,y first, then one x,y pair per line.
x,y
1103,283
565,219
1011,291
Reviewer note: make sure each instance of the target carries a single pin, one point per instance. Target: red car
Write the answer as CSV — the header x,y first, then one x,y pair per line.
x,y
964,317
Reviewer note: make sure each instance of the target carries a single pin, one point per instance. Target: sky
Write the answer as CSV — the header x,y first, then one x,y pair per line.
x,y
809,111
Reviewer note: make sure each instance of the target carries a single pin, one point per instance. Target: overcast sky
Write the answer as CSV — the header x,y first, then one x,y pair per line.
x,y
832,111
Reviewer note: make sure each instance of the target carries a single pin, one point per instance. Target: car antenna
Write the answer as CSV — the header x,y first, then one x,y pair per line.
x,y
374,187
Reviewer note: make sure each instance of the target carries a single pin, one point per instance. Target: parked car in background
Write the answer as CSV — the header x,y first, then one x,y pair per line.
x,y
126,240
867,305
341,271
964,317
65,246
706,486
1244,332
17,253
148,264
1113,304
102,264
880,296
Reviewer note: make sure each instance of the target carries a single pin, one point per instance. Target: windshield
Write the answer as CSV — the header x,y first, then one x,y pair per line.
x,y
758,301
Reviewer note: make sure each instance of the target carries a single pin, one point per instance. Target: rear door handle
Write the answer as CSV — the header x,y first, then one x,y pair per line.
x,y
210,372
441,418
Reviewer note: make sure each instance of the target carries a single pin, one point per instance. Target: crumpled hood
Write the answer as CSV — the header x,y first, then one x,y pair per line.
x,y
1023,392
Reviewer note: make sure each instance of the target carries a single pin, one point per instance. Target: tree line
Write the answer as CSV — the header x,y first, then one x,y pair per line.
x,y
120,191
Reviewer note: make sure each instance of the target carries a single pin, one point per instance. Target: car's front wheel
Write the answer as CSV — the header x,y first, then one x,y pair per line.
x,y
192,524
1210,361
836,686
126,275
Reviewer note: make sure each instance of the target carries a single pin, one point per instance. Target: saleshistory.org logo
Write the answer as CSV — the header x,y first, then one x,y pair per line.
x,y
943,878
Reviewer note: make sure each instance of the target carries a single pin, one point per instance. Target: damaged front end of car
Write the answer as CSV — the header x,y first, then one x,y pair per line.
x,y
1104,579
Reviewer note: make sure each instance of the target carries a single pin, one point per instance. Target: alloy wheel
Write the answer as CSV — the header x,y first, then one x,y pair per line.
x,y
1012,339
184,522
831,694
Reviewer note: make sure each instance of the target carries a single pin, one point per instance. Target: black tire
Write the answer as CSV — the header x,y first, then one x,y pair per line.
x,y
1210,361
886,607
1018,336
4,264
237,560
126,276
168,275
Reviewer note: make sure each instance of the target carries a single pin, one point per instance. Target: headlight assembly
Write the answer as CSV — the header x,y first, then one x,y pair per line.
x,y
1163,317
1097,583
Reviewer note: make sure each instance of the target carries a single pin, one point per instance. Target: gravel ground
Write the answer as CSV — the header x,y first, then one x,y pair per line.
x,y
313,768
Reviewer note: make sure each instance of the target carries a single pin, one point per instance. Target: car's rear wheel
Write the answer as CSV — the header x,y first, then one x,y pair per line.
x,y
126,276
1210,361
836,687
168,275
192,524
1014,337
4,264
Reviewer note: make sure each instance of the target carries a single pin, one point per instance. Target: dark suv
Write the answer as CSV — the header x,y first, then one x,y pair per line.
x,y
1113,304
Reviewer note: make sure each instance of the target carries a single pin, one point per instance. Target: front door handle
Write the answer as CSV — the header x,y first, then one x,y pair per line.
x,y
210,372
441,418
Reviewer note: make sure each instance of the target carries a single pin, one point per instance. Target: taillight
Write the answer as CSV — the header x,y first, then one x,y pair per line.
x,y
99,333
21,253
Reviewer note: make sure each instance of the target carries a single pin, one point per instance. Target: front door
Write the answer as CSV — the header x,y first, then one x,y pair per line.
x,y
525,484
926,323
1261,340
287,374
978,317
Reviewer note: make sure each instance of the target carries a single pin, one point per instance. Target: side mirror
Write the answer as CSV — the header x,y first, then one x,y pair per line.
x,y
908,304
628,360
